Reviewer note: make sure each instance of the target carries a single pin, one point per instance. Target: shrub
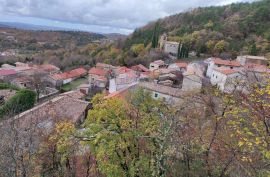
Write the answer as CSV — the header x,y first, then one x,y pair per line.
x,y
4,86
22,101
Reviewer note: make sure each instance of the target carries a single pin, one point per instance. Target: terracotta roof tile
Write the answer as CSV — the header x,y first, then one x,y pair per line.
x,y
219,61
97,71
182,65
226,71
70,74
140,67
48,67
6,72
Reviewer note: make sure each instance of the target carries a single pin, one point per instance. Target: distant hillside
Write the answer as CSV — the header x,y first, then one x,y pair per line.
x,y
26,26
115,36
12,38
62,48
235,28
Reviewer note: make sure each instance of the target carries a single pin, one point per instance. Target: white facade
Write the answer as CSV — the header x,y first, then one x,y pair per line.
x,y
212,66
156,65
122,81
66,81
224,82
153,66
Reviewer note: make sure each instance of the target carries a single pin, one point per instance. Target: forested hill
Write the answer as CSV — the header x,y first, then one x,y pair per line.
x,y
241,27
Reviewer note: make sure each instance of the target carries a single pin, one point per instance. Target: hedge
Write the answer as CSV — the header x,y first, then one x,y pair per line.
x,y
22,101
4,86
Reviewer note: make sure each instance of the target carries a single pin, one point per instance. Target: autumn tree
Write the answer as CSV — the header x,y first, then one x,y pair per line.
x,y
221,46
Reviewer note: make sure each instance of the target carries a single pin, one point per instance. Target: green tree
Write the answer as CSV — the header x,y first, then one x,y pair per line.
x,y
221,46
127,138
155,36
253,49
137,49
22,101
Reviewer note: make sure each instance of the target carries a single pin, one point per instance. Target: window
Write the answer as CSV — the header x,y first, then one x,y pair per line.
x,y
231,67
213,75
216,76
156,95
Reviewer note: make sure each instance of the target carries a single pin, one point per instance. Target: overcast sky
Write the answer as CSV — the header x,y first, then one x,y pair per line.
x,y
104,16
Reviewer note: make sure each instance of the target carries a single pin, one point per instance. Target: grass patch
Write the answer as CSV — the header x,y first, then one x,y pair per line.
x,y
73,85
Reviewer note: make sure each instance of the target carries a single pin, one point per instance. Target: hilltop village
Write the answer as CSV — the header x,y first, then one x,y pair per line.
x,y
168,81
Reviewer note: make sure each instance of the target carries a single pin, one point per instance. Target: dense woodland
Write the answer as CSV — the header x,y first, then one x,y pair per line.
x,y
236,28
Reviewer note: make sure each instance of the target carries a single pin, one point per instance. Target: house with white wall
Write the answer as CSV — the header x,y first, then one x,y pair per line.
x,y
156,65
124,78
216,63
66,77
226,80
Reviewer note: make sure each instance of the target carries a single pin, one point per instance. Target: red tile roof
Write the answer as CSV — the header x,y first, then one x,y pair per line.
x,y
49,67
182,65
6,72
140,67
226,71
97,71
123,70
70,74
102,78
219,61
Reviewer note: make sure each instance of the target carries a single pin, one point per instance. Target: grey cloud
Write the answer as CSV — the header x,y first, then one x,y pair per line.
x,y
127,14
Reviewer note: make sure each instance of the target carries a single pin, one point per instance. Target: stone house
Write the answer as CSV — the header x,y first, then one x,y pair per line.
x,y
98,77
248,59
225,79
216,63
58,80
156,65
171,48
166,93
124,78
